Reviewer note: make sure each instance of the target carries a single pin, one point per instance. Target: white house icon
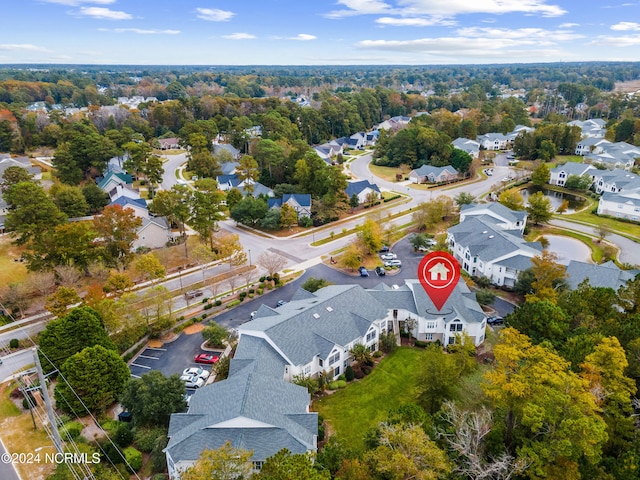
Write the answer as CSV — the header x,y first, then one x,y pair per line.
x,y
439,270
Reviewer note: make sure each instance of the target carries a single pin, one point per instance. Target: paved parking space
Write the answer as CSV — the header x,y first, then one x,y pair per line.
x,y
147,360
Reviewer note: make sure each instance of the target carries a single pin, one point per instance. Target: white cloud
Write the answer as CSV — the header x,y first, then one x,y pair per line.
x,y
414,22
530,34
568,25
455,47
624,41
75,3
22,47
140,31
214,14
303,37
239,36
447,8
103,13
360,7
624,26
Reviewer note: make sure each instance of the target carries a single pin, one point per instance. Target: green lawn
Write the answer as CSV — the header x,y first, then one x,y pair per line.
x,y
623,228
363,404
386,173
562,159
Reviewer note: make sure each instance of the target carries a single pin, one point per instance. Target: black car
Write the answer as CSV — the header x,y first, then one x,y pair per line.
x,y
381,271
280,303
384,249
494,320
363,272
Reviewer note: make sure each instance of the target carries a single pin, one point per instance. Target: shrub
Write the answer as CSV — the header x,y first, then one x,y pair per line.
x,y
341,383
321,433
124,435
14,343
218,303
366,369
233,304
377,354
260,290
28,401
70,430
205,299
261,280
342,377
207,306
242,295
421,344
349,374
133,458
251,290
358,374
333,385
145,438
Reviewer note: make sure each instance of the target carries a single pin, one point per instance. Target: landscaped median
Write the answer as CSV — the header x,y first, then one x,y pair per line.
x,y
351,412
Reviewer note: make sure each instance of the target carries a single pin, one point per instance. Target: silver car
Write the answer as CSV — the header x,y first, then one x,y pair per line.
x,y
393,263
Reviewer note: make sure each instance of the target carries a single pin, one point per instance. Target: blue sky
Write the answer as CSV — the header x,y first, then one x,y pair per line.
x,y
318,32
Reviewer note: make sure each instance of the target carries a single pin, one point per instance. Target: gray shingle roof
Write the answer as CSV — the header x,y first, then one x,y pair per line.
x,y
497,210
489,243
359,186
254,408
296,327
607,275
573,168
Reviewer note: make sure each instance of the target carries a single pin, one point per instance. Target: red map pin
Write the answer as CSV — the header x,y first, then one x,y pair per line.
x,y
439,273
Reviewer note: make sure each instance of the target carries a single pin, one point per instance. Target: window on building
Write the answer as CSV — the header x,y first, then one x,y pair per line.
x,y
320,362
257,466
307,370
455,327
428,336
395,314
371,336
431,324
334,358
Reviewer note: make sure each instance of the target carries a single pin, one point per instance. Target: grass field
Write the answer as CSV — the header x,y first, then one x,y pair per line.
x,y
386,173
351,412
10,270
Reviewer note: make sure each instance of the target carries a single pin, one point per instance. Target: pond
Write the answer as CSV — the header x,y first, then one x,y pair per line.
x,y
568,249
575,202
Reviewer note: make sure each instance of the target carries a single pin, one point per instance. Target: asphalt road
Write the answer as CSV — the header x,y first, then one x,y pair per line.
x,y
7,470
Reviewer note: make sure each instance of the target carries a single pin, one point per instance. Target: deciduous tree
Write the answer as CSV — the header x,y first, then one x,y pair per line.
x,y
116,229
512,199
539,208
224,463
547,408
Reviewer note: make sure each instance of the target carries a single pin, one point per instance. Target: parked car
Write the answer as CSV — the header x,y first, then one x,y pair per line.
x,y
384,249
363,272
192,381
280,303
393,263
198,372
192,294
381,271
495,320
388,256
206,358
253,314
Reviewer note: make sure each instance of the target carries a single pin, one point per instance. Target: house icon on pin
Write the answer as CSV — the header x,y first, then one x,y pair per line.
x,y
439,272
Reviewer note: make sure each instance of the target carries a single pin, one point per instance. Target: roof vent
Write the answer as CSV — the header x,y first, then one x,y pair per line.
x,y
329,309
491,236
484,232
315,315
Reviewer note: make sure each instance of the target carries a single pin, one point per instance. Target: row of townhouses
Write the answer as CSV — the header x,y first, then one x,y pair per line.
x,y
258,408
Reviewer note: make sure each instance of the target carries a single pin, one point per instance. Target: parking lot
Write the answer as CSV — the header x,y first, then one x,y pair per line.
x,y
172,358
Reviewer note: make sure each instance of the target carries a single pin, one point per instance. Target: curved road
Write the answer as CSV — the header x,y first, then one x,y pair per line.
x,y
298,250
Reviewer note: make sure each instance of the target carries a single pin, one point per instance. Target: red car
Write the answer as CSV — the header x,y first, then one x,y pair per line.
x,y
206,358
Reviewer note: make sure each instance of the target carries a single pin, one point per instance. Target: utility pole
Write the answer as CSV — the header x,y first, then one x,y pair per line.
x,y
47,402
